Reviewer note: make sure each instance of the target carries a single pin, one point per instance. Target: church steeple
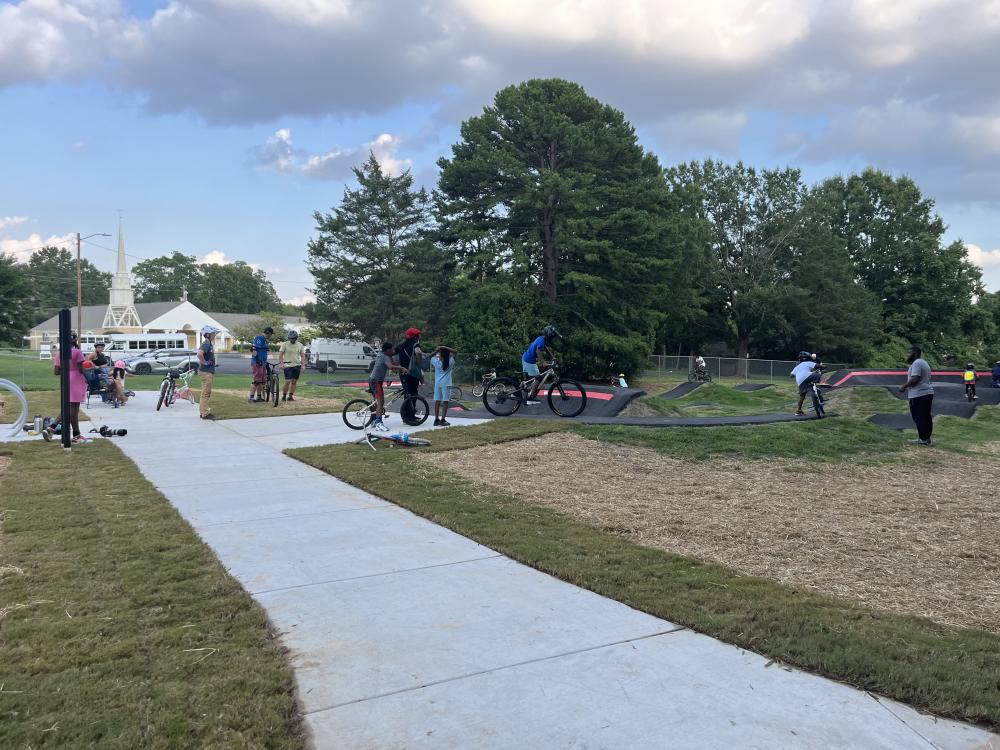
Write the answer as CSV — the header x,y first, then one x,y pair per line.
x,y
121,312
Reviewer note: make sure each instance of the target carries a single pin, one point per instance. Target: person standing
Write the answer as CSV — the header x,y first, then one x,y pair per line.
x,y
206,370
920,393
258,364
443,362
291,357
77,387
409,356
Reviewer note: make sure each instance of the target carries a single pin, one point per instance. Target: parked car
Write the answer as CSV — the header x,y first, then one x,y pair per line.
x,y
330,355
159,360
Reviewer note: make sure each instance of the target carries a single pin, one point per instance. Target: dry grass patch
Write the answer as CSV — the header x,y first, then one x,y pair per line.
x,y
306,402
917,538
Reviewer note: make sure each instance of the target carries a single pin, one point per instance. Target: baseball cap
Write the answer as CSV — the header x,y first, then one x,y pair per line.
x,y
411,332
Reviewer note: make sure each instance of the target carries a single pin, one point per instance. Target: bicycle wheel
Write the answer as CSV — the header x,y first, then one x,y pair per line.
x,y
502,397
692,377
417,406
454,393
478,389
163,394
358,413
274,389
707,378
567,398
817,400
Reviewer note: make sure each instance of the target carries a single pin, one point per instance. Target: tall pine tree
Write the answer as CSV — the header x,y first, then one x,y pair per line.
x,y
377,271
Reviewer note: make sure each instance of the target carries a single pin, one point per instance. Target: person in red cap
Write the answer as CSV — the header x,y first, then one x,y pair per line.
x,y
409,354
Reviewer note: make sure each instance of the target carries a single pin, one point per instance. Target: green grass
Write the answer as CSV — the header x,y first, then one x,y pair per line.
x,y
229,406
45,403
715,399
948,671
127,630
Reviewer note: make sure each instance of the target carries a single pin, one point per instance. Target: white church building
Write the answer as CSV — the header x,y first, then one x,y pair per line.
x,y
123,315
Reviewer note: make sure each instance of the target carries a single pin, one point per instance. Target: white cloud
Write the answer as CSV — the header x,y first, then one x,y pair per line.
x,y
23,249
714,130
11,221
302,299
214,258
983,258
280,154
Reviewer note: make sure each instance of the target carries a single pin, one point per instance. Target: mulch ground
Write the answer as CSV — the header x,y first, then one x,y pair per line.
x,y
919,536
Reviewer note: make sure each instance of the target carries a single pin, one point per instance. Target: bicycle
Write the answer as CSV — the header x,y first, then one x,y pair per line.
x,y
480,388
271,387
699,376
566,398
970,391
360,412
454,392
168,388
818,402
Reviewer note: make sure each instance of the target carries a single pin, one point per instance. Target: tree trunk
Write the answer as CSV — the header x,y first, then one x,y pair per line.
x,y
550,256
743,346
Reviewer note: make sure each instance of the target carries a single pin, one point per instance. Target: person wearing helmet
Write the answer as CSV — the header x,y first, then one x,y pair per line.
x,y
206,370
534,357
258,364
118,378
292,358
969,378
996,374
806,372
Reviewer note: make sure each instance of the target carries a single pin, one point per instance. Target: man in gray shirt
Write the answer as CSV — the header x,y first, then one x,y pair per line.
x,y
920,393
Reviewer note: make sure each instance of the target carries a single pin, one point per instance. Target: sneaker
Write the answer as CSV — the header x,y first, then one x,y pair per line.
x,y
259,400
82,439
249,399
47,435
380,426
532,402
285,398
291,398
445,423
800,414
918,441
208,416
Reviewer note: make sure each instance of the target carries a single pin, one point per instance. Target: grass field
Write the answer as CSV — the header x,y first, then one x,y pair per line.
x,y
118,627
45,403
951,671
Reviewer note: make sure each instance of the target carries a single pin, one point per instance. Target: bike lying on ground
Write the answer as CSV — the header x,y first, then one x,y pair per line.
x,y
174,381
360,412
480,388
566,398
699,376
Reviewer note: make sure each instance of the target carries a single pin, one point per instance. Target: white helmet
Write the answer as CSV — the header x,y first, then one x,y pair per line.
x,y
209,329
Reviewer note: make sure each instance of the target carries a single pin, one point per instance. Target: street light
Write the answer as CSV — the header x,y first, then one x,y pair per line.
x,y
79,282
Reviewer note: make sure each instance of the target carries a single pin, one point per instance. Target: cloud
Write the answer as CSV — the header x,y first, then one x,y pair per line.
x,y
280,154
302,299
22,250
983,258
718,131
214,258
11,221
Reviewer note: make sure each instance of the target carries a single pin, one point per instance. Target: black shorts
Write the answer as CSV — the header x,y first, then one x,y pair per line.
x,y
292,373
807,384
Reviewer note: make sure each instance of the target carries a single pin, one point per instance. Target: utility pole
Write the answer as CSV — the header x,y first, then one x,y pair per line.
x,y
79,291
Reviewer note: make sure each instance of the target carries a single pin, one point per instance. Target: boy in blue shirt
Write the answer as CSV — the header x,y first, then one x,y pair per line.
x,y
536,351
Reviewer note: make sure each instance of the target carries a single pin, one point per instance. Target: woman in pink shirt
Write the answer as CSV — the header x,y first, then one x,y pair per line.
x,y
77,387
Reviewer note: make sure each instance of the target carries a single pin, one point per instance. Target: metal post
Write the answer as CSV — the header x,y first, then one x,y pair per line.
x,y
79,291
65,362
772,371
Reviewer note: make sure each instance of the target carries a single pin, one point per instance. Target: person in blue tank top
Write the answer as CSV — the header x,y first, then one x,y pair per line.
x,y
537,351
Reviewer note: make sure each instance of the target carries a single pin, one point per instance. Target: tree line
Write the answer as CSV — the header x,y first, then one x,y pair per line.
x,y
548,210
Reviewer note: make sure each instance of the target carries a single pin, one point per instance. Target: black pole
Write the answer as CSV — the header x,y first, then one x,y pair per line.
x,y
65,362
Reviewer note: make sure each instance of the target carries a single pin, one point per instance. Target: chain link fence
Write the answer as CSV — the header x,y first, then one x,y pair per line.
x,y
733,368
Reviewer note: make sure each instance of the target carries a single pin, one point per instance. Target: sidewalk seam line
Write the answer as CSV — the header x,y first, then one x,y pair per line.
x,y
902,721
374,575
445,680
291,515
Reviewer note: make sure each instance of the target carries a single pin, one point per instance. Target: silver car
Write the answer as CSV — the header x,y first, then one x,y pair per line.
x,y
159,360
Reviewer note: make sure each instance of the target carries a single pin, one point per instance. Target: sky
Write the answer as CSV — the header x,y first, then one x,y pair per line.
x,y
217,127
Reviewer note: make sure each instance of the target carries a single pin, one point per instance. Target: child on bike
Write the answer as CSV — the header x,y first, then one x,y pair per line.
x,y
806,372
969,378
376,381
530,359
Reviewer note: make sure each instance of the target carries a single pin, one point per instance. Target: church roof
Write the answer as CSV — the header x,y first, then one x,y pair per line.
x,y
93,315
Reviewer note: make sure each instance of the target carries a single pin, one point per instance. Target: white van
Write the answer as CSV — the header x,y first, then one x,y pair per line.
x,y
330,355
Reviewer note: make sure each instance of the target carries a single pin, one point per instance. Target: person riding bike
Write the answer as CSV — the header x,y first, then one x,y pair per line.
x,y
969,378
535,356
699,366
806,372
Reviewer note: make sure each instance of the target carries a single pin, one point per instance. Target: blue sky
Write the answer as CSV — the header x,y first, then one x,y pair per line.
x,y
219,126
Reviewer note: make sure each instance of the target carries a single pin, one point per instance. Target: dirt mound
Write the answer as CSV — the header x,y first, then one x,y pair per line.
x,y
917,537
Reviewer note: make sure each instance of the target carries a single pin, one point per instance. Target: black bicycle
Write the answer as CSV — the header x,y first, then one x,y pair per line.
x,y
271,386
970,390
360,412
699,376
816,395
566,398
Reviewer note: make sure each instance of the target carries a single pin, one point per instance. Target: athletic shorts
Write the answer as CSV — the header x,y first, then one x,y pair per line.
x,y
375,387
807,384
292,373
529,368
441,391
259,372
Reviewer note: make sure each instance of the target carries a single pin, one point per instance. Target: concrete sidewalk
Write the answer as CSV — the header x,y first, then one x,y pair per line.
x,y
404,634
